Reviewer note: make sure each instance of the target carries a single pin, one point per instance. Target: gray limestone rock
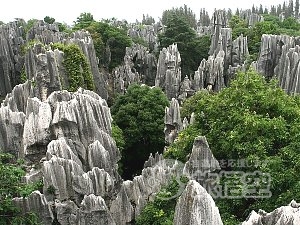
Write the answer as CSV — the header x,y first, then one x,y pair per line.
x,y
36,202
11,131
195,206
172,120
11,63
288,71
201,161
93,211
168,76
285,215
271,50
135,194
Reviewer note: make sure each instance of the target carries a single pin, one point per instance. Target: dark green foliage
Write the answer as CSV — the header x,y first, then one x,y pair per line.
x,y
184,12
105,37
253,120
49,19
118,136
140,115
11,186
148,20
84,20
192,48
76,66
161,210
117,40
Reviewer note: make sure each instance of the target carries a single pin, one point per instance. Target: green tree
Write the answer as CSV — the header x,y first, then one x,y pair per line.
x,y
11,186
83,21
117,40
49,19
184,12
140,115
252,119
192,48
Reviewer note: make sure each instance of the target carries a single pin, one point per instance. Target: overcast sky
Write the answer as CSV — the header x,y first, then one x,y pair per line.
x,y
68,10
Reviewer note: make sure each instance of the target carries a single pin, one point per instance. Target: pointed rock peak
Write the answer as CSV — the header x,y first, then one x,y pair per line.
x,y
195,206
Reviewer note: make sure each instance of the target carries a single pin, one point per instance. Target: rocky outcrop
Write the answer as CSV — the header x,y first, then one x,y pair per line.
x,y
36,202
201,160
285,215
139,67
195,206
136,193
271,50
168,76
31,58
12,61
67,138
250,18
172,120
147,33
288,71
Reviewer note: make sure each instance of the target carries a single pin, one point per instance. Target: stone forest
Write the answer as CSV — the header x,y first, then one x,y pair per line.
x,y
190,120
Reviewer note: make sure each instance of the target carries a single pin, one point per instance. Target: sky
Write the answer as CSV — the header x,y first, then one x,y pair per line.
x,y
68,10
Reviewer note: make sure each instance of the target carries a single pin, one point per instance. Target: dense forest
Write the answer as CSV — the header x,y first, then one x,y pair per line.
x,y
159,85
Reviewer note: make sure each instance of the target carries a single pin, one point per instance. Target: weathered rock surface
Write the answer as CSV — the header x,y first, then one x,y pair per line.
x,y
288,71
36,202
11,64
201,160
271,49
148,33
139,67
285,215
195,206
168,76
250,18
136,193
172,120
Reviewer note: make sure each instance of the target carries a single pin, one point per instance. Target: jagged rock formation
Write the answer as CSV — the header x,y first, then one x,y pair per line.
x,y
148,33
36,202
227,56
67,137
172,120
195,206
136,193
285,215
288,71
201,160
11,64
38,63
139,67
250,18
271,49
168,76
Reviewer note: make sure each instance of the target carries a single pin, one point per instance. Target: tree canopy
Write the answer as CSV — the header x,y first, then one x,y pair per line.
x,y
253,120
192,48
140,115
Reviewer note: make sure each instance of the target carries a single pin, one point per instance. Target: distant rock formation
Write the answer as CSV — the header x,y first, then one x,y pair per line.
x,y
285,215
139,67
172,120
12,61
271,51
287,70
147,33
195,206
28,57
250,17
168,76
